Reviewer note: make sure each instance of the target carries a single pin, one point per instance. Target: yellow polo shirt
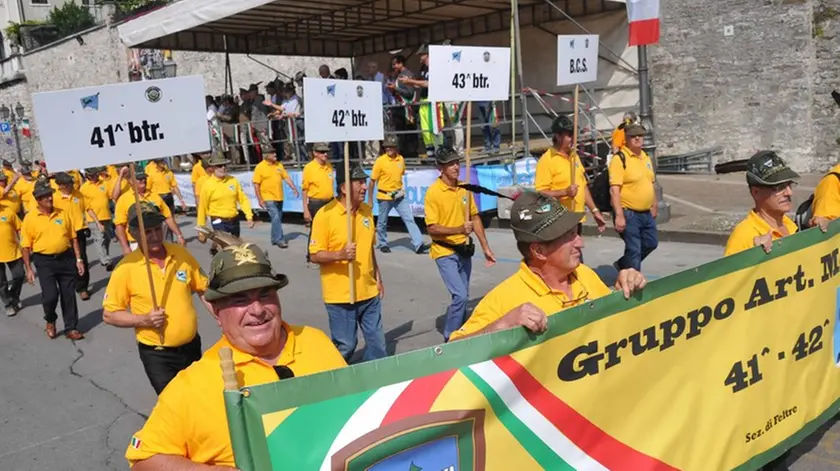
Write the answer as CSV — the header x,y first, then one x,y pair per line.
x,y
111,182
160,179
219,197
329,234
112,171
269,176
24,189
196,177
96,199
175,283
12,199
388,174
827,196
48,234
72,204
318,180
77,179
751,227
636,180
445,206
10,173
189,419
554,171
526,286
10,225
127,200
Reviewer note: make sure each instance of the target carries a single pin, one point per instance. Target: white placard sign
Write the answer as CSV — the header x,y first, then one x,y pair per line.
x,y
469,73
577,59
342,110
125,122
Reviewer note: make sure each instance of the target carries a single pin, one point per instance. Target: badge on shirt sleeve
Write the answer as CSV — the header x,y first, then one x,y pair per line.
x,y
366,223
232,188
59,222
181,276
76,200
136,442
3,219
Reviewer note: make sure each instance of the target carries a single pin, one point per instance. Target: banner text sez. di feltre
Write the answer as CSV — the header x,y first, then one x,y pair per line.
x,y
586,360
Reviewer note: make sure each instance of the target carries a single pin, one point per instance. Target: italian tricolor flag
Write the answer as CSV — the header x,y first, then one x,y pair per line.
x,y
643,16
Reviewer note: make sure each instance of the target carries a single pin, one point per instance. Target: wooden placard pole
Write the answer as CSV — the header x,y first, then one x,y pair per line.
x,y
572,157
228,369
468,151
144,244
350,264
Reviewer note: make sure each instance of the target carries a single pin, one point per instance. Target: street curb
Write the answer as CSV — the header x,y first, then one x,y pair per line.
x,y
685,237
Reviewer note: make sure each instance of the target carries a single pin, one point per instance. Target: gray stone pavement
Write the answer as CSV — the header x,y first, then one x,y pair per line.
x,y
68,407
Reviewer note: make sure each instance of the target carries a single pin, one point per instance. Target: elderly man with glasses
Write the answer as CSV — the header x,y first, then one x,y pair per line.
x,y
551,277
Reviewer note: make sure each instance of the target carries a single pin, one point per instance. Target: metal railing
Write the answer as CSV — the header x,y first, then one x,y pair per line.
x,y
700,161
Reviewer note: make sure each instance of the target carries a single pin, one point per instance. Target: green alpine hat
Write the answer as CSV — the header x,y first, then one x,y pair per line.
x,y
140,174
63,178
632,130
766,168
217,159
321,147
356,173
42,188
240,268
538,218
391,141
446,155
562,123
152,216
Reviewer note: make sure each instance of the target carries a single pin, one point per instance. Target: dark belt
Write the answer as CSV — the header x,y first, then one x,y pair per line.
x,y
66,253
181,349
319,200
229,220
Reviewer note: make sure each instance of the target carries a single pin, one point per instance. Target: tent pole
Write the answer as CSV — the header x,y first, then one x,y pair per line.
x,y
524,104
513,91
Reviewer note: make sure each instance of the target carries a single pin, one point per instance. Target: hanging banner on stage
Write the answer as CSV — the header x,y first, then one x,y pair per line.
x,y
469,73
723,366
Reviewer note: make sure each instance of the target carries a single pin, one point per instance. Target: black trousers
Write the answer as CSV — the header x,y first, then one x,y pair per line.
x,y
408,143
82,281
314,205
10,289
169,199
57,276
162,365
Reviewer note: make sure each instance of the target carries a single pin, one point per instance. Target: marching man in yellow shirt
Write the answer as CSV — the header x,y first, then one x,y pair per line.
x,y
452,247
551,277
386,181
11,257
126,201
554,176
219,197
186,430
72,202
95,192
199,173
771,184
48,239
333,249
634,199
317,185
269,176
128,300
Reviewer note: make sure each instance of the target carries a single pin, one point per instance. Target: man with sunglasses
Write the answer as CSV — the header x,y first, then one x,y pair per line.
x,y
633,199
186,429
771,184
551,277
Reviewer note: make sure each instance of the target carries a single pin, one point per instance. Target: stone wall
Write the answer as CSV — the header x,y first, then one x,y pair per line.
x,y
825,112
740,74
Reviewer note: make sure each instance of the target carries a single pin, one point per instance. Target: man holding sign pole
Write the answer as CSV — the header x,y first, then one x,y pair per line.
x,y
334,250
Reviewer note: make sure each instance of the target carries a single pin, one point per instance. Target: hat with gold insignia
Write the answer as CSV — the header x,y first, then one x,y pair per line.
x,y
538,218
152,216
239,268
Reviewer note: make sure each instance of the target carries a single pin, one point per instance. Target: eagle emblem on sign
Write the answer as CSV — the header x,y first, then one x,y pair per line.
x,y
486,56
360,91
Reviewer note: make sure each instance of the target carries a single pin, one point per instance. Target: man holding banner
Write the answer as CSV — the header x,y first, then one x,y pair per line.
x,y
334,250
186,429
452,249
551,277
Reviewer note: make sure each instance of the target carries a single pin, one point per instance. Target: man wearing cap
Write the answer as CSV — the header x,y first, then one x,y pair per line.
x,y
25,186
9,196
317,186
162,182
219,197
167,337
386,181
95,193
633,199
332,249
551,277
187,426
771,184
48,239
72,202
10,255
269,176
127,241
8,169
452,247
554,175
